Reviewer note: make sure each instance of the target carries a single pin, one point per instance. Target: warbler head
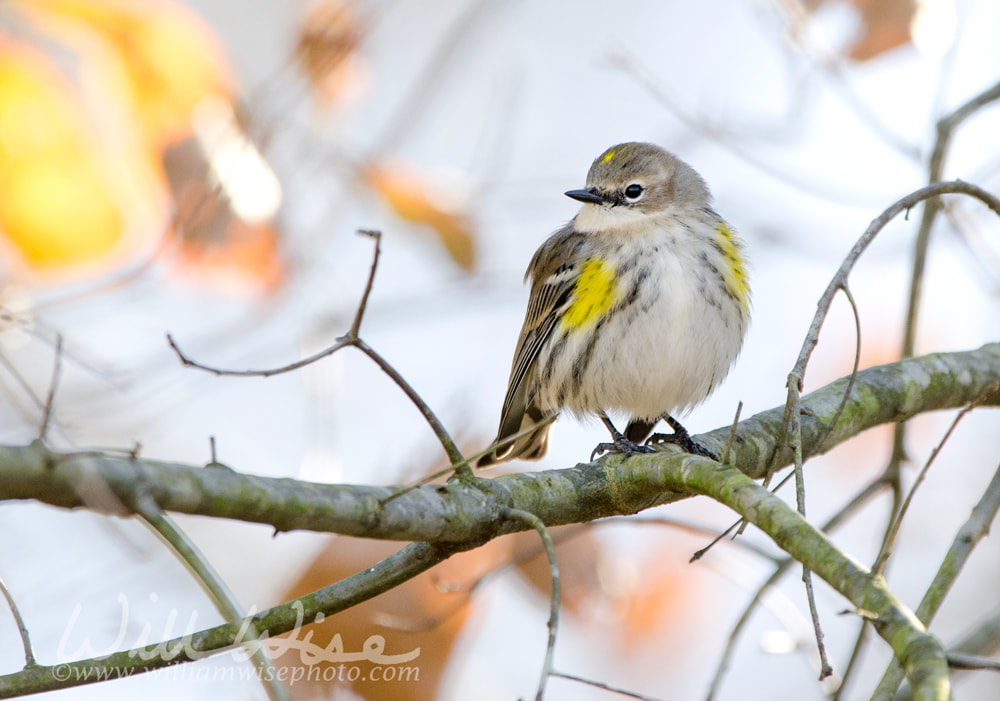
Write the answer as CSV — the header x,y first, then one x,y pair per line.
x,y
634,180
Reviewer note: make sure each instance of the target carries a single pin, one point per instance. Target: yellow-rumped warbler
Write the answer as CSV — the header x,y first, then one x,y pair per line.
x,y
639,304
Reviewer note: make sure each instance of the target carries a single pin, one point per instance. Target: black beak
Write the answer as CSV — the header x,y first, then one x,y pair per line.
x,y
589,195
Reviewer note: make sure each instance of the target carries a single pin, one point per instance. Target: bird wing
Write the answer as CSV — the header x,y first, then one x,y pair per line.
x,y
557,269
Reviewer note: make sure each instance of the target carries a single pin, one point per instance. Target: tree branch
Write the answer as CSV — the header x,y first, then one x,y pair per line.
x,y
383,576
972,531
460,516
460,512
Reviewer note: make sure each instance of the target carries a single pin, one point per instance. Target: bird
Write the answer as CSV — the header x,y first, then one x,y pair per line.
x,y
638,305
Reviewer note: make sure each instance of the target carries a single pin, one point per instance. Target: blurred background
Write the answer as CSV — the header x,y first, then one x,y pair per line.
x,y
200,168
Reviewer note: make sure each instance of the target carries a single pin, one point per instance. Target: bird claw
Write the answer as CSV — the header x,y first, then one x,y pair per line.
x,y
620,445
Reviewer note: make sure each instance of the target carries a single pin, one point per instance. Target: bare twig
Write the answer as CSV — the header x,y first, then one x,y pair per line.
x,y
553,625
632,65
825,670
855,503
857,362
454,454
351,339
453,513
363,304
972,531
50,398
860,642
696,529
984,638
405,564
429,80
945,129
793,405
839,281
22,629
831,63
732,434
897,521
213,585
602,685
465,462
958,660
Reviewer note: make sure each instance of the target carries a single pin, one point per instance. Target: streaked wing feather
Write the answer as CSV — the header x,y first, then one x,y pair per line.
x,y
538,326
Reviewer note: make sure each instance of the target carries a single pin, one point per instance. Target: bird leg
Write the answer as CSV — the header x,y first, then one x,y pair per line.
x,y
681,437
621,444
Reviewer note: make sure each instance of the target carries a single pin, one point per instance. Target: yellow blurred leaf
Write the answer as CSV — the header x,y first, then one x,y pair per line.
x,y
419,198
170,56
56,206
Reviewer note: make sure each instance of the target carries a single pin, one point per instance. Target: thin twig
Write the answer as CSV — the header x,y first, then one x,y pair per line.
x,y
946,127
643,75
454,454
411,560
465,462
352,339
701,552
22,629
363,304
855,503
839,280
971,532
50,398
825,670
726,454
341,343
553,624
794,384
958,660
602,685
831,62
984,638
213,585
854,370
696,529
860,643
886,550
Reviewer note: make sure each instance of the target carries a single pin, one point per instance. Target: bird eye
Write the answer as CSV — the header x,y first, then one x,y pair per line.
x,y
633,192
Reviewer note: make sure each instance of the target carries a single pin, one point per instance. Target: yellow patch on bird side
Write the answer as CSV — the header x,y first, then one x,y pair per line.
x,y
595,292
735,273
608,156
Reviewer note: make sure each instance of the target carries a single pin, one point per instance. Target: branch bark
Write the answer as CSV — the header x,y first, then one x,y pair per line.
x,y
464,511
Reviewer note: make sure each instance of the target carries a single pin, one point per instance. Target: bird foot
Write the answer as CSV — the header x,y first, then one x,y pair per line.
x,y
621,445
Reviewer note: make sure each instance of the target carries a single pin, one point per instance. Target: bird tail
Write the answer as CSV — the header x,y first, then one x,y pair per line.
x,y
638,430
528,445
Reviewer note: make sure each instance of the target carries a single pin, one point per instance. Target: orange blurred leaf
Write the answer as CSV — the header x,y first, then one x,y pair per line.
x,y
420,613
169,55
885,25
419,198
327,50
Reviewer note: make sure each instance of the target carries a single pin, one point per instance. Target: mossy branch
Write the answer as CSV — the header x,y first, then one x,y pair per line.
x,y
465,512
